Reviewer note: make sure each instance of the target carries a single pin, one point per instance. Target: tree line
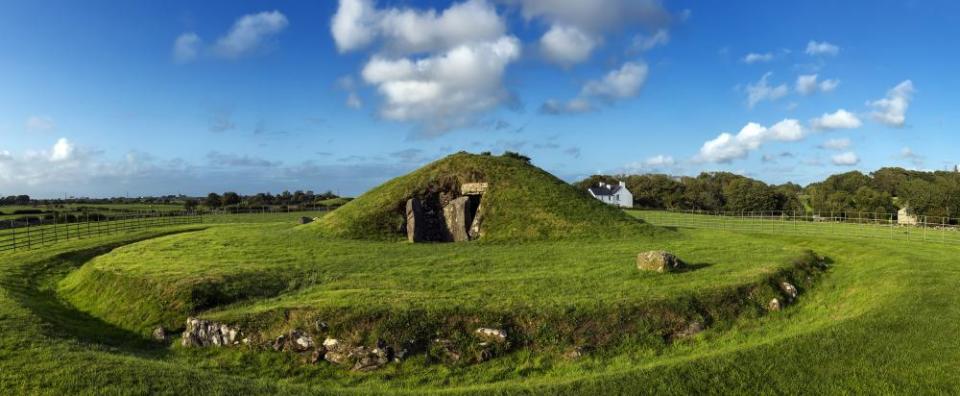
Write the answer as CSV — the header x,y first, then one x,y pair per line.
x,y
286,198
879,193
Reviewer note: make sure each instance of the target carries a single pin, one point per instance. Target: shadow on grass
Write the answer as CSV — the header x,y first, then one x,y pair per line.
x,y
33,286
693,267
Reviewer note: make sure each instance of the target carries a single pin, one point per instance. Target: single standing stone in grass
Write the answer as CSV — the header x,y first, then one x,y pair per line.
x,y
306,220
658,261
789,290
773,305
492,334
160,334
458,218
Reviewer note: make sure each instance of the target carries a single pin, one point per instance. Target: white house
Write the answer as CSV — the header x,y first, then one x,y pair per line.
x,y
617,195
905,216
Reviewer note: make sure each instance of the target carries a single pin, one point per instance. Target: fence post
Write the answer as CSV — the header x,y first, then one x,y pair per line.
x,y
890,217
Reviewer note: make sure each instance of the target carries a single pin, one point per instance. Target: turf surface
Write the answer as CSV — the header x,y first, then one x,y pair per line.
x,y
881,321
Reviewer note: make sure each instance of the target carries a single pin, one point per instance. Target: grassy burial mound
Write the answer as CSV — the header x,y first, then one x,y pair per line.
x,y
466,196
575,296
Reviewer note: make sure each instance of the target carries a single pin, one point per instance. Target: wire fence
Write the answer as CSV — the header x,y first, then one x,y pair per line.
x,y
44,231
874,226
41,234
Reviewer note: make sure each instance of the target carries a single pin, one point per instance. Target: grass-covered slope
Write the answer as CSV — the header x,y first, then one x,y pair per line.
x,y
522,202
273,270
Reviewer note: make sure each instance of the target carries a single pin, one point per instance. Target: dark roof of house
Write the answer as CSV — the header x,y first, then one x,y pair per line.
x,y
605,190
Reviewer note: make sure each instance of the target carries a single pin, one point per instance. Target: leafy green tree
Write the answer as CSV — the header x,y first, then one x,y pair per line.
x,y
213,201
231,199
511,154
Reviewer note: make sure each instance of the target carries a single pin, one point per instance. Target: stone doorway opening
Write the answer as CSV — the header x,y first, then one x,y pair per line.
x,y
446,214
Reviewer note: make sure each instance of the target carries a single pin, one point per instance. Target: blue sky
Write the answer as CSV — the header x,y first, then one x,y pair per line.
x,y
106,98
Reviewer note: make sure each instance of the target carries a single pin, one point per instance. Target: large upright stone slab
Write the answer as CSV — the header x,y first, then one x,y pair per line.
x,y
475,232
415,221
458,218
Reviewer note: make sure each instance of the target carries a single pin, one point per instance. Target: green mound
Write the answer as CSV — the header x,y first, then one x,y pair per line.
x,y
522,202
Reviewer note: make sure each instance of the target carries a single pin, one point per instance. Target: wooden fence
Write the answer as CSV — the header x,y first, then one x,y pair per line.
x,y
44,233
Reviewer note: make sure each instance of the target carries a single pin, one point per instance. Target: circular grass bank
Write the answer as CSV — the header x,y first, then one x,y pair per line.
x,y
549,297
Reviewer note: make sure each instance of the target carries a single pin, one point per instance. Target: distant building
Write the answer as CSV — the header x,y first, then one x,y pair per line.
x,y
617,195
905,216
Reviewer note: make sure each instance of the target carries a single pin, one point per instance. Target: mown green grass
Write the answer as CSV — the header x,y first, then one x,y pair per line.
x,y
880,322
189,272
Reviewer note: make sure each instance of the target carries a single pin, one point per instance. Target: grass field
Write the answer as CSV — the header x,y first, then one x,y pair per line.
x,y
881,320
804,226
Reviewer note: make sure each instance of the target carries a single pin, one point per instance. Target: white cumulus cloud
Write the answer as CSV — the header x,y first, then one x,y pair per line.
x,y
762,90
808,84
821,48
728,147
753,57
642,42
847,158
402,31
62,150
567,45
619,84
659,161
840,119
436,69
249,33
354,24
892,110
577,27
443,91
596,15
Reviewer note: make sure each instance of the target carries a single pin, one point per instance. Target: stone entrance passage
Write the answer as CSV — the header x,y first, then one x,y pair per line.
x,y
446,216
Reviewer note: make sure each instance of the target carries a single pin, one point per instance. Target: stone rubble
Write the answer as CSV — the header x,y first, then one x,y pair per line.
x,y
789,290
204,333
774,305
492,334
160,334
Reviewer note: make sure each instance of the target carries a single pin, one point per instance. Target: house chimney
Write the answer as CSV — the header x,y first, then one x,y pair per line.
x,y
623,184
